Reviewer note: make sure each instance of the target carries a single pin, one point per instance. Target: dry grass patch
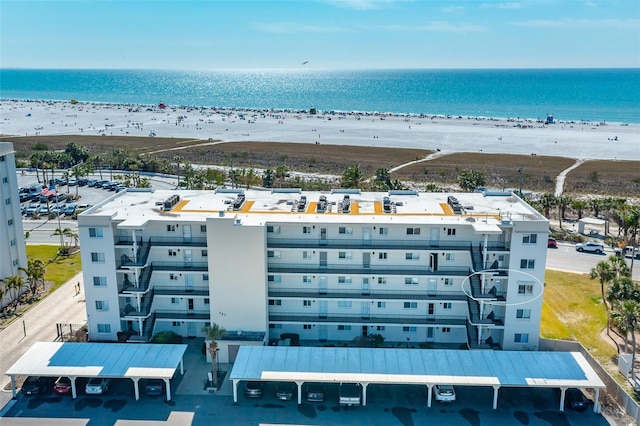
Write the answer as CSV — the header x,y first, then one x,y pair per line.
x,y
501,170
605,177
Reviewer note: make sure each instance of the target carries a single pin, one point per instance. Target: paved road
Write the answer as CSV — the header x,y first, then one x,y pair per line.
x,y
62,306
566,258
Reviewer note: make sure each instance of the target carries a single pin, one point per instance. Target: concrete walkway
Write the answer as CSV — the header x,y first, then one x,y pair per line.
x,y
39,323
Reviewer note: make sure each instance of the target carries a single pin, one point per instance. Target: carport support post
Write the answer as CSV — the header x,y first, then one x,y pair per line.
x,y
495,396
13,387
299,384
74,394
429,389
136,387
168,388
562,392
596,404
364,394
182,366
235,391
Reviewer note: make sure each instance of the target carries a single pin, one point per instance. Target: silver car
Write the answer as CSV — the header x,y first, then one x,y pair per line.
x,y
590,246
97,386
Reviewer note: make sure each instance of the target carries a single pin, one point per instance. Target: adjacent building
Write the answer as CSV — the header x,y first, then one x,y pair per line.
x,y
12,246
430,269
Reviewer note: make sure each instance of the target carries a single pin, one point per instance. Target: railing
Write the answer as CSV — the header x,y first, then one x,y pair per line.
x,y
143,283
363,318
180,291
145,307
408,244
123,240
183,315
333,293
297,268
181,266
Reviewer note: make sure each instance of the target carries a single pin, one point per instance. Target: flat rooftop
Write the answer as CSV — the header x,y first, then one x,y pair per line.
x,y
484,211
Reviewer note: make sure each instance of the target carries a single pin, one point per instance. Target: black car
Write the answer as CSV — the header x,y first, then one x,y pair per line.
x,y
285,390
575,399
253,389
36,385
154,387
315,392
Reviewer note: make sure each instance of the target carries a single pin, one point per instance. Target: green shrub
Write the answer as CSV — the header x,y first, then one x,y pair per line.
x,y
166,337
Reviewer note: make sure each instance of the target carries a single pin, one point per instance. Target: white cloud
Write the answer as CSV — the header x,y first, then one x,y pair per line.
x,y
579,23
294,28
437,26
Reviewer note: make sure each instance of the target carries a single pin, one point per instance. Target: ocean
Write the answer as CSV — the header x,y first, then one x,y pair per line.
x,y
611,95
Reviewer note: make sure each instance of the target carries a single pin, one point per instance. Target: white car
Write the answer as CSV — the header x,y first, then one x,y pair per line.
x,y
444,393
97,386
590,246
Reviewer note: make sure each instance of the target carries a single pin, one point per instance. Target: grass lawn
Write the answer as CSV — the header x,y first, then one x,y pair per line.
x,y
572,310
59,269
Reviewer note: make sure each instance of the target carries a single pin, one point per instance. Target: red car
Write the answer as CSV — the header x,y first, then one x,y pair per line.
x,y
551,243
62,386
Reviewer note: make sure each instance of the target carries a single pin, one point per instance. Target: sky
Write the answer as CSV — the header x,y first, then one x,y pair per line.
x,y
329,34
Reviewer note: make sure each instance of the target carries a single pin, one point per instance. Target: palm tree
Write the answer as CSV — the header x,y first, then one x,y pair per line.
x,y
213,333
14,285
351,177
35,272
178,160
547,202
604,273
563,203
626,313
579,206
66,232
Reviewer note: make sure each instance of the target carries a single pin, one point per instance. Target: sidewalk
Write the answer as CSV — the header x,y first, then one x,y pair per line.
x,y
39,324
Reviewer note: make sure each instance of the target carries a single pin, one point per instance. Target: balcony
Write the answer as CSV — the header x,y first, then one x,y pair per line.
x,y
142,286
181,266
182,315
352,243
346,268
366,319
365,294
127,241
181,291
131,312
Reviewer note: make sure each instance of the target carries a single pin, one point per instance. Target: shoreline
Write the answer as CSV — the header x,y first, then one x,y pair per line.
x,y
446,133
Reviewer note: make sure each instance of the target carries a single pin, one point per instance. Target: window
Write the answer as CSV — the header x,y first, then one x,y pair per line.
x,y
104,328
207,301
411,280
345,255
172,253
13,243
306,303
5,180
205,253
7,201
527,263
173,277
413,231
382,280
102,305
411,305
95,232
451,232
384,231
97,257
381,328
521,338
306,255
382,305
344,280
344,304
448,281
525,289
449,257
306,229
1,158
205,277
347,230
523,313
446,329
273,229
99,281
203,228
409,329
15,262
10,222
306,279
171,228
344,327
529,239
275,302
306,326
412,256
278,326
175,300
274,254
274,278
382,255
446,305
175,323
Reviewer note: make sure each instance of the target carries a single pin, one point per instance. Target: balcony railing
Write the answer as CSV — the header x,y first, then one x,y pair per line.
x,y
183,315
363,318
408,244
142,285
297,268
181,266
180,291
319,293
130,310
165,241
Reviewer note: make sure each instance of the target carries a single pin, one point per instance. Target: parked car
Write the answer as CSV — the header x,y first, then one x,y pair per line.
x,y
444,393
83,182
69,209
590,246
62,386
575,399
97,386
82,207
253,389
32,209
350,394
285,390
35,385
315,392
154,387
92,182
72,182
24,197
552,243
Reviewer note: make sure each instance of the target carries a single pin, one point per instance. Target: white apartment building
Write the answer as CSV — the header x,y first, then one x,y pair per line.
x,y
12,246
453,270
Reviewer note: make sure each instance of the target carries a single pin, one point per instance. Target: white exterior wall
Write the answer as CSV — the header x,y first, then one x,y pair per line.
x,y
237,271
12,242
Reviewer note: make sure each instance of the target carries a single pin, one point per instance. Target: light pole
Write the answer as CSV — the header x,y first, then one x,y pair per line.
x,y
520,178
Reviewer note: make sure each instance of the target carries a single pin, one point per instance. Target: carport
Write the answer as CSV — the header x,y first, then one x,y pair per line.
x,y
109,360
427,367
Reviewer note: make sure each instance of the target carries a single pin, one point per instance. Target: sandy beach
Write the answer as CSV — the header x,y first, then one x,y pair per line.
x,y
580,140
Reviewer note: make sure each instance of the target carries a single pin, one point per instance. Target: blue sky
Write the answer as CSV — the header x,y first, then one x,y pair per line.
x,y
330,34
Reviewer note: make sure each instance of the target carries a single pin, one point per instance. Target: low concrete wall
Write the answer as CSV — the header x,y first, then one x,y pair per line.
x,y
614,390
